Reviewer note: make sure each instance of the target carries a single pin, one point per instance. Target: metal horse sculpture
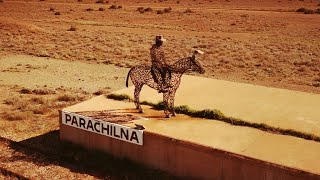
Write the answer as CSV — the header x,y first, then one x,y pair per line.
x,y
141,75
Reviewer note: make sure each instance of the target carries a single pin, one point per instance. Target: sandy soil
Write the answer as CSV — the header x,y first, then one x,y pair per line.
x,y
259,42
45,66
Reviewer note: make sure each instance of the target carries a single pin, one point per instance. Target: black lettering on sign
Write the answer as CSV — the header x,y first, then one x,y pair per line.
x,y
95,126
124,134
115,132
82,123
74,121
68,118
89,125
111,134
105,129
134,136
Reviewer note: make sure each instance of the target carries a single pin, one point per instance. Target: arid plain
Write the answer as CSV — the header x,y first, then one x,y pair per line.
x,y
57,53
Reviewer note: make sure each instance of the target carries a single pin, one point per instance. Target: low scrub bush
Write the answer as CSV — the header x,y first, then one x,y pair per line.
x,y
72,28
188,11
160,12
115,7
100,1
89,9
43,91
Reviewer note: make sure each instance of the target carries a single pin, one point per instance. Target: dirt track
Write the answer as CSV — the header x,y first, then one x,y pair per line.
x,y
260,43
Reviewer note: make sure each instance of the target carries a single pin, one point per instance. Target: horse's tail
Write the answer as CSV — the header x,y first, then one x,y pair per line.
x,y
127,81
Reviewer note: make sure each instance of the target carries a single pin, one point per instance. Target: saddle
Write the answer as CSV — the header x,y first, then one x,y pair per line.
x,y
167,71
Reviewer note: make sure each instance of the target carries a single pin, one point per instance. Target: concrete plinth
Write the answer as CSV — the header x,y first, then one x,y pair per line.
x,y
209,149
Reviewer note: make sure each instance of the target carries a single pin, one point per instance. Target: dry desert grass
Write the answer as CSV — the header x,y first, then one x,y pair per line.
x,y
258,42
245,41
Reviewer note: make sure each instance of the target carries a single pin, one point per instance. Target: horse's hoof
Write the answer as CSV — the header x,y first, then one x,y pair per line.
x,y
174,114
168,116
141,111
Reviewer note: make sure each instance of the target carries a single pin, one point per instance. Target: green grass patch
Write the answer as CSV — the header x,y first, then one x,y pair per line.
x,y
216,114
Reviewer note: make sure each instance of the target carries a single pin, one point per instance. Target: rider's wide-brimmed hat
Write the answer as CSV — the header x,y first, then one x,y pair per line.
x,y
160,38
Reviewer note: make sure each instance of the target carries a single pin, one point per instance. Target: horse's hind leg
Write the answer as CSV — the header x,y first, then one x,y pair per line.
x,y
137,90
171,104
166,104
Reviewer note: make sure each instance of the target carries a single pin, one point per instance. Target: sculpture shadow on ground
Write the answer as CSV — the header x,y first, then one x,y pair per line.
x,y
47,149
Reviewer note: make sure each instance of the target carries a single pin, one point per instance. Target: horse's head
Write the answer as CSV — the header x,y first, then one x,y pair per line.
x,y
195,64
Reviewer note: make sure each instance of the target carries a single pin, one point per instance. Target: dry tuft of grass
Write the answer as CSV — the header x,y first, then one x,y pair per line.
x,y
43,91
102,9
68,97
14,115
100,1
308,11
89,9
57,13
72,28
101,91
188,11
11,101
167,10
115,7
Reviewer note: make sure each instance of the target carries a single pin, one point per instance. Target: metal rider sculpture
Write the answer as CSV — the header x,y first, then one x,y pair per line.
x,y
141,75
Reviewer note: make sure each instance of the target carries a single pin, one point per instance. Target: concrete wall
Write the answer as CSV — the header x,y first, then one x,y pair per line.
x,y
185,159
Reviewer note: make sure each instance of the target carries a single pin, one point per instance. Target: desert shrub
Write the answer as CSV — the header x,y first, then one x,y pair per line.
x,y
68,97
306,11
100,92
25,91
178,2
317,11
57,13
41,0
102,9
40,110
51,9
1,1
100,1
167,10
119,7
14,115
188,11
80,0
160,12
72,28
140,9
113,7
148,9
319,4
11,101
89,9
43,91
37,100
309,11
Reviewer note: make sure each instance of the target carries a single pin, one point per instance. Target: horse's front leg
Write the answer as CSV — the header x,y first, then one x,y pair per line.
x,y
166,104
171,99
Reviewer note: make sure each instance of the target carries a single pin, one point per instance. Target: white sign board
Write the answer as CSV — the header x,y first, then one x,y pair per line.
x,y
102,127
